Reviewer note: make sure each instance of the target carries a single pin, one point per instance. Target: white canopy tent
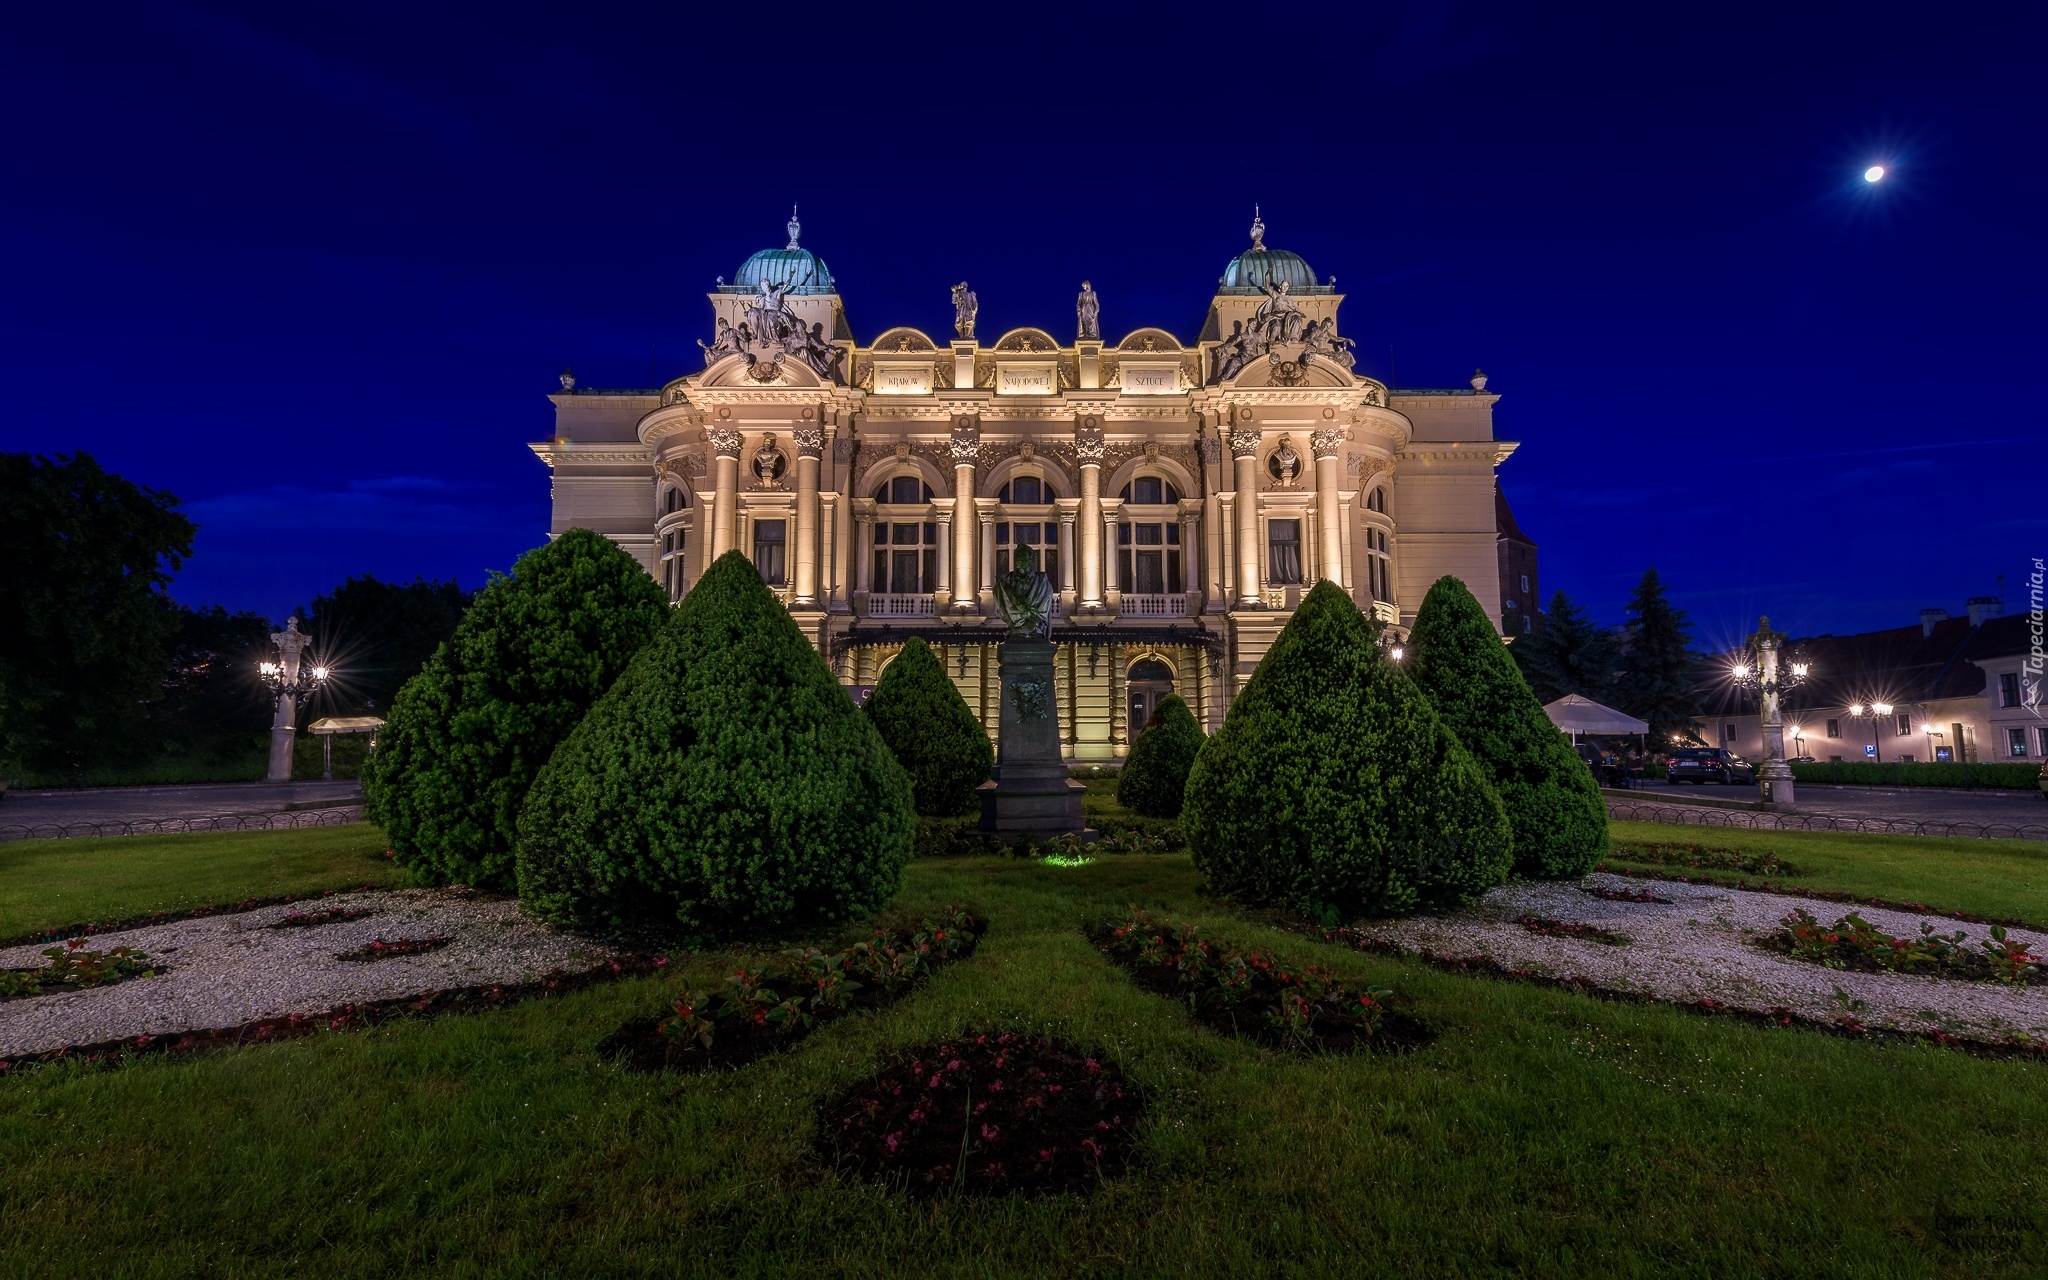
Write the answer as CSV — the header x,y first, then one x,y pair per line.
x,y
1576,715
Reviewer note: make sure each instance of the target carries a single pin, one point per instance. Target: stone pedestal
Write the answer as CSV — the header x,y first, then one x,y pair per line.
x,y
1031,793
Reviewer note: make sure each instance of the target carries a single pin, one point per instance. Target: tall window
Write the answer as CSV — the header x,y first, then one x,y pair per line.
x,y
1905,726
673,500
907,558
1042,536
1377,501
1150,491
1835,730
2016,741
1379,566
1025,491
1283,552
903,490
1148,557
770,543
672,562
2042,735
2009,689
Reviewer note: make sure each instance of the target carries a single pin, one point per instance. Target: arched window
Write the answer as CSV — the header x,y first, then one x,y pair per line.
x,y
1377,501
1025,491
674,499
1151,491
1042,536
1379,565
903,491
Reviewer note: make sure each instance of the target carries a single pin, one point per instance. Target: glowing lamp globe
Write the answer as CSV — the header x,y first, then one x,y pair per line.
x,y
1875,173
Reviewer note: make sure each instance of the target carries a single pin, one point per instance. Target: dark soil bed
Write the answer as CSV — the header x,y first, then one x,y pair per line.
x,y
1253,995
1624,895
1854,943
379,949
313,919
994,1114
1549,928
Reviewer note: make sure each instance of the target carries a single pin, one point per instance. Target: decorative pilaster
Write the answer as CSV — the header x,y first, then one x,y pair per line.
x,y
965,447
864,552
1244,453
1329,523
725,443
810,449
1088,449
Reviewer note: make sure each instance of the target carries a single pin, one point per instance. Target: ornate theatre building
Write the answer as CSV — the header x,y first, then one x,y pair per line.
x,y
1182,496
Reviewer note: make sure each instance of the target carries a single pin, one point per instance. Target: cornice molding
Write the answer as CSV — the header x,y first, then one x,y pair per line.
x,y
557,452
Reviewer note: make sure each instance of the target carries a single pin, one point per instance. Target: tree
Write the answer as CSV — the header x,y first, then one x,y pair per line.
x,y
726,784
377,635
931,732
1567,654
1334,787
84,628
210,704
1154,780
1657,680
466,736
1552,802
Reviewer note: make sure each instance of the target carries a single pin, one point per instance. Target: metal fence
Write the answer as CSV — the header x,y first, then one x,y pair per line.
x,y
1755,820
336,817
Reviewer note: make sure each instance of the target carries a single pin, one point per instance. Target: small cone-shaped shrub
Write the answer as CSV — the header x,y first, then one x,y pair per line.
x,y
931,732
1154,781
726,784
1334,788
1553,804
465,737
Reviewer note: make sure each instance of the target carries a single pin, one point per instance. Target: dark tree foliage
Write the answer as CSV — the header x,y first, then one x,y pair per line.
x,y
84,631
1553,805
1154,780
725,785
1568,654
1657,681
931,731
211,706
1334,787
466,736
377,635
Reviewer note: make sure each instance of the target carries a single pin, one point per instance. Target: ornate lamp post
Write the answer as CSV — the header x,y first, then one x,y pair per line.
x,y
1758,667
1875,712
288,681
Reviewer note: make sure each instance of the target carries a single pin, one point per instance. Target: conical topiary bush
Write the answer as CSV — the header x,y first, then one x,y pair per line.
x,y
1334,788
465,737
1553,804
726,784
931,732
1154,780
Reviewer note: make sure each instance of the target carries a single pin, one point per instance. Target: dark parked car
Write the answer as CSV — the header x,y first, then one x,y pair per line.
x,y
1701,765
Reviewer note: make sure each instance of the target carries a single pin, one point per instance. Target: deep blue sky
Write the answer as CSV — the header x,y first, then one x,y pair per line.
x,y
314,267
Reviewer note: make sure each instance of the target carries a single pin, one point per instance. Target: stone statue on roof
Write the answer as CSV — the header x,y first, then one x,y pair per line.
x,y
1089,308
964,306
1279,318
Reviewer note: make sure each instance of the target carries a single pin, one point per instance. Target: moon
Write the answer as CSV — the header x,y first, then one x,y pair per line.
x,y
1874,173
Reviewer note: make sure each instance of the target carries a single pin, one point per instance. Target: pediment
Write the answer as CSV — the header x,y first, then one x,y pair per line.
x,y
737,371
902,338
1027,340
1143,340
1284,368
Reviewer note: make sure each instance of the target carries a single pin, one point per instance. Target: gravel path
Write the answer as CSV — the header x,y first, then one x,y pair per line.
x,y
1704,946
224,971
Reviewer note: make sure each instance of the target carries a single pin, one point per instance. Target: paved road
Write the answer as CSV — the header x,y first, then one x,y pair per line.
x,y
1908,804
160,804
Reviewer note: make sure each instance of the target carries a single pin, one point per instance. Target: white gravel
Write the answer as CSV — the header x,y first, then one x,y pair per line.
x,y
227,970
1704,946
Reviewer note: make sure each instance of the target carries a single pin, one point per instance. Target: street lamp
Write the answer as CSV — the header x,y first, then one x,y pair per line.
x,y
1757,668
289,681
1874,712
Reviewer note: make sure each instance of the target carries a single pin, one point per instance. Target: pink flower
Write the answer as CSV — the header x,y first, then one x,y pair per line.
x,y
891,1142
989,1132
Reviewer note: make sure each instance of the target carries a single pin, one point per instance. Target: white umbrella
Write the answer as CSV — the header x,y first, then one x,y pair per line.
x,y
1576,715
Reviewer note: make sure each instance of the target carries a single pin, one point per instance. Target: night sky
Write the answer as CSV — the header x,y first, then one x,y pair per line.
x,y
313,268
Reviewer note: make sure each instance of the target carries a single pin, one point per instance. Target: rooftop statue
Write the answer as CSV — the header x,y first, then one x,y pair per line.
x,y
1321,338
964,306
1025,596
1089,308
1279,318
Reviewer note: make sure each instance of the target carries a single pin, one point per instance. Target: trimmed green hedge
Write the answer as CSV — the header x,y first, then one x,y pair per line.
x,y
1154,780
2002,775
931,732
1333,786
1552,799
466,736
726,784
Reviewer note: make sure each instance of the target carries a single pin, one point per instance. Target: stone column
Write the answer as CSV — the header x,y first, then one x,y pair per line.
x,y
1244,451
1329,525
284,727
843,544
986,517
1068,552
966,447
1112,591
810,448
1190,558
1088,448
725,506
863,573
942,593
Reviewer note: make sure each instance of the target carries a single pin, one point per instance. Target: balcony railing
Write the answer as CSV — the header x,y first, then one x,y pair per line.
x,y
1384,612
890,605
1153,606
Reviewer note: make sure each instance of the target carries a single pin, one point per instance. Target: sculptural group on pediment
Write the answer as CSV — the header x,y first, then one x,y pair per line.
x,y
771,331
1279,322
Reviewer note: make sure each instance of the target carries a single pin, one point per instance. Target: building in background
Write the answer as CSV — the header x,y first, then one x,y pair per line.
x,y
1182,496
1519,607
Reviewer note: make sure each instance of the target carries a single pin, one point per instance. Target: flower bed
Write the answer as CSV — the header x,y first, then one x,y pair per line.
x,y
313,919
985,1115
1252,993
1693,855
73,969
1565,929
770,1006
1854,943
378,949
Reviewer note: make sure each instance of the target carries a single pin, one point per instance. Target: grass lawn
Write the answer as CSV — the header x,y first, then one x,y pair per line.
x,y
1996,878
47,884
1543,1133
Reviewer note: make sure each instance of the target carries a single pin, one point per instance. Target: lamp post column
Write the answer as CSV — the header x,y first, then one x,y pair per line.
x,y
1088,450
1244,452
1329,521
725,444
284,727
1775,783
810,451
966,447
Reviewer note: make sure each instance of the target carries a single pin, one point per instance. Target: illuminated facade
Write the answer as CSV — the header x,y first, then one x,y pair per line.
x,y
1182,496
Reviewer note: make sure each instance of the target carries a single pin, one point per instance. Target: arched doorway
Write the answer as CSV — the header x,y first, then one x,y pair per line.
x,y
1149,681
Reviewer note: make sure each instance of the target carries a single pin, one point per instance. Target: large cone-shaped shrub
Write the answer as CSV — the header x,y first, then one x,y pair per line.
x,y
726,784
1154,780
931,732
465,737
1559,821
1334,787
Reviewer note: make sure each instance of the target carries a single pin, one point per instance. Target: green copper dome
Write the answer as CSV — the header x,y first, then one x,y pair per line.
x,y
792,267
1258,268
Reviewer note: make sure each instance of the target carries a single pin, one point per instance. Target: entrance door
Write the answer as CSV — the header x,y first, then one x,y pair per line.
x,y
1149,681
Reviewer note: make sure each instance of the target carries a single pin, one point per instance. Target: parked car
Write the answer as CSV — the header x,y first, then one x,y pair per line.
x,y
1701,765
